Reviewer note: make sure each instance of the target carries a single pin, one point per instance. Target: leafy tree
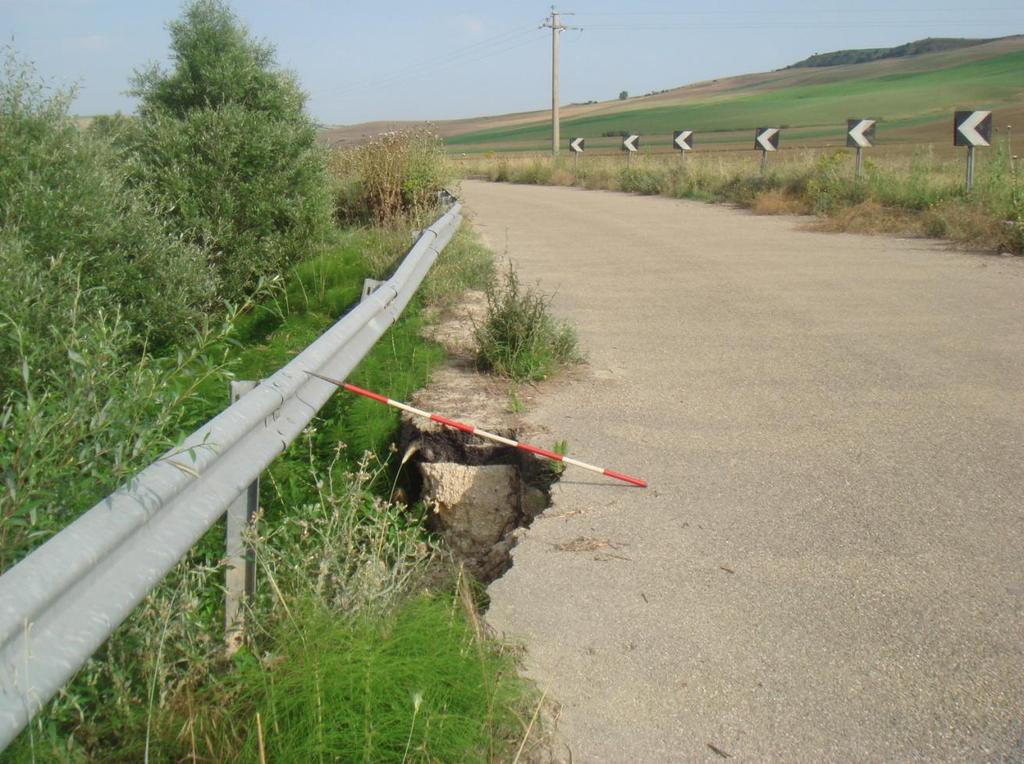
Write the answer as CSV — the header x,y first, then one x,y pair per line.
x,y
224,144
217,63
623,95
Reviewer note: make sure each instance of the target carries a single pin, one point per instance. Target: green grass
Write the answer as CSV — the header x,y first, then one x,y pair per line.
x,y
116,342
897,100
417,685
174,634
319,292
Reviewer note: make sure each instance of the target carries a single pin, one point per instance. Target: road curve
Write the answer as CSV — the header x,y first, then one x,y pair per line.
x,y
828,563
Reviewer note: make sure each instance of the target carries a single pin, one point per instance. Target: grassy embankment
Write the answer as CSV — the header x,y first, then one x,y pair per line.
x,y
147,261
917,195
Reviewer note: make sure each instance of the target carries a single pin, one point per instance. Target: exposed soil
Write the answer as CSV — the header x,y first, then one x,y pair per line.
x,y
480,491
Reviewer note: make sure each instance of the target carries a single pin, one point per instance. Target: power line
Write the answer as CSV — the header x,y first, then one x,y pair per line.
x,y
810,11
492,45
419,72
786,24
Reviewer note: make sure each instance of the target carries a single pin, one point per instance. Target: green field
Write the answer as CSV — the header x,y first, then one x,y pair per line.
x,y
908,104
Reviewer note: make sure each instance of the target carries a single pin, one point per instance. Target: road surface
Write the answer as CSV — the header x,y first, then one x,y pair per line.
x,y
829,563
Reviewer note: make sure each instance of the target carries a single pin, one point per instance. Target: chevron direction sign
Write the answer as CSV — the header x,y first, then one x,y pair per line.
x,y
972,128
767,138
631,143
682,140
576,145
860,133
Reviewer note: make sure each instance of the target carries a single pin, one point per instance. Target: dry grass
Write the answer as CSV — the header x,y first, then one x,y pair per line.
x,y
916,192
969,225
777,202
872,218
394,177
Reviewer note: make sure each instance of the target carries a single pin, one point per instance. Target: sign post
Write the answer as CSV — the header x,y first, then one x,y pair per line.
x,y
576,146
972,129
240,571
682,141
630,144
860,134
766,139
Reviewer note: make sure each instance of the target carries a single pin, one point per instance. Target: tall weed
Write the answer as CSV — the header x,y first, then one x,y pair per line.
x,y
396,175
519,338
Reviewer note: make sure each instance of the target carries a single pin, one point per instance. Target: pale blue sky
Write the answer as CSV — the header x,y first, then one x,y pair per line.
x,y
454,58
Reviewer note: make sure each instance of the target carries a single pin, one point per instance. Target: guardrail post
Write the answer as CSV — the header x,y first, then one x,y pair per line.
x,y
369,287
240,573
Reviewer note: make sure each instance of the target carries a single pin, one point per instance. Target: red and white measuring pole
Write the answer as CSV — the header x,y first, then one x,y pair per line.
x,y
482,433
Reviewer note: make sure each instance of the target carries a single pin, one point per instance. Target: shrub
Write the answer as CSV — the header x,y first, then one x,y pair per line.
x,y
745,189
502,172
829,187
642,180
536,172
222,143
396,175
319,520
68,222
75,429
251,192
519,338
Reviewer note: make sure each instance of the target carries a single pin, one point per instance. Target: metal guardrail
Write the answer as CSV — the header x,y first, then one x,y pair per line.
x,y
59,604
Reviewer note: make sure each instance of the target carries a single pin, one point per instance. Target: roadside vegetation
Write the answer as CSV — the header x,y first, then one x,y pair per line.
x,y
913,195
392,177
144,263
519,337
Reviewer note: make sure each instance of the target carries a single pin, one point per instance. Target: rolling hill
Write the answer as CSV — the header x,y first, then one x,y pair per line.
x,y
912,96
864,55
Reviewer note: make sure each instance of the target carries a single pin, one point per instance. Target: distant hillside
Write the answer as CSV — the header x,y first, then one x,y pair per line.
x,y
864,55
912,97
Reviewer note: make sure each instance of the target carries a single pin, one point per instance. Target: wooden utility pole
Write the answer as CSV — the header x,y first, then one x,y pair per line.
x,y
554,23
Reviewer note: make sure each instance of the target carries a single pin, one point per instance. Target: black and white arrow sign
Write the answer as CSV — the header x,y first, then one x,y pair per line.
x,y
972,128
631,143
576,145
766,138
860,133
683,140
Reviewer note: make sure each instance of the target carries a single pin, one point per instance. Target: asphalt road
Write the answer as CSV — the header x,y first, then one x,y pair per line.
x,y
829,563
